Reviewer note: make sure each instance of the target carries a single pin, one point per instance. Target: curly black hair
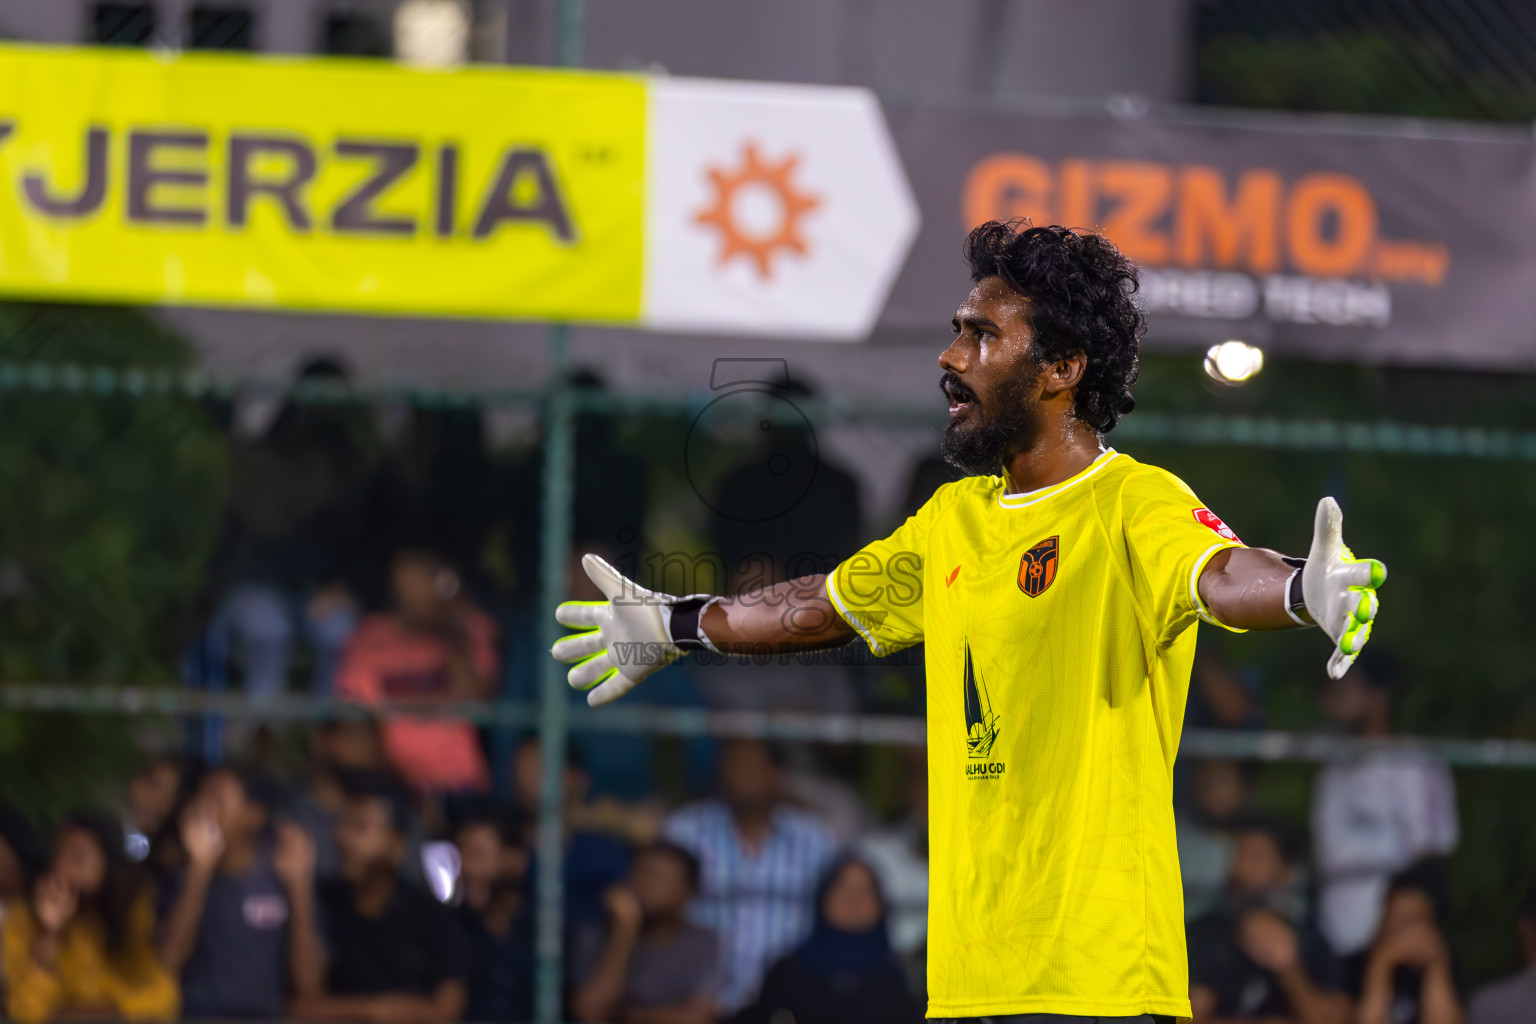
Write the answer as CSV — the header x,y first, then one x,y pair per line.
x,y
1080,290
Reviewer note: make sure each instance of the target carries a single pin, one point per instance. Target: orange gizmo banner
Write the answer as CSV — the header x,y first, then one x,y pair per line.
x,y
1286,232
126,176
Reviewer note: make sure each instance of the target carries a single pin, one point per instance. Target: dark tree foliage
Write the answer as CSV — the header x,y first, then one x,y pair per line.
x,y
112,505
1473,59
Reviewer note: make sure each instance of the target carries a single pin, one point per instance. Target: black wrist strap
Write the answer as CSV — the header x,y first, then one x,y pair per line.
x,y
685,623
1295,599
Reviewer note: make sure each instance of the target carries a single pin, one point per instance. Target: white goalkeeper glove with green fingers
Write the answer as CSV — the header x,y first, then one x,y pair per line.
x,y
627,637
1335,590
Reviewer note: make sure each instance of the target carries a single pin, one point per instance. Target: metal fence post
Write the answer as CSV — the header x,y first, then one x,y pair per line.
x,y
556,521
559,455
570,29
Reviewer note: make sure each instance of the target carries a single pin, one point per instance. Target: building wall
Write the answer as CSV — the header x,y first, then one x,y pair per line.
x,y
942,50
282,26
930,49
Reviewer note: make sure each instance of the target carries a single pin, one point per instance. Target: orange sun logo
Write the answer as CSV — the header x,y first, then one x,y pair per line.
x,y
749,240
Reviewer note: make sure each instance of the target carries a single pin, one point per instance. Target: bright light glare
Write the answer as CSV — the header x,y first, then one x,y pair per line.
x,y
1233,362
432,33
440,864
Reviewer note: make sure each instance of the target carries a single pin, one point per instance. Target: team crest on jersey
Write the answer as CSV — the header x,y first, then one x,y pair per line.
x,y
1205,517
1037,569
980,719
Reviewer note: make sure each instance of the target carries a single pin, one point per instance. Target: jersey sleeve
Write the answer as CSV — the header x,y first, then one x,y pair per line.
x,y
879,591
1171,536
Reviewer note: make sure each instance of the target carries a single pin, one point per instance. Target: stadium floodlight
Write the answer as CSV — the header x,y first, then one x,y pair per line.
x,y
432,33
1233,362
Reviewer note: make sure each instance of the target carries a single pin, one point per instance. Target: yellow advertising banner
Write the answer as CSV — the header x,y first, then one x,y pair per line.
x,y
127,176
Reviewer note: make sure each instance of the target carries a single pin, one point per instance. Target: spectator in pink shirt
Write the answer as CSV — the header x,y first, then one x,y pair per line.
x,y
435,645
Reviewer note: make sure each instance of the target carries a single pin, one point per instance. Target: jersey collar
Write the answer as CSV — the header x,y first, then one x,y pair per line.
x,y
1028,498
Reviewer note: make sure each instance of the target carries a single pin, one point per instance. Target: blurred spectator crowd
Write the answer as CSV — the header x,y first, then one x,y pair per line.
x,y
345,892
382,867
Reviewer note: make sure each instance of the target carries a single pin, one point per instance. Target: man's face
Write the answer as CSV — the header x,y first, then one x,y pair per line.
x,y
418,587
366,838
480,853
152,796
527,768
749,780
1258,867
660,882
350,744
232,807
1347,701
1405,908
1220,791
528,778
991,379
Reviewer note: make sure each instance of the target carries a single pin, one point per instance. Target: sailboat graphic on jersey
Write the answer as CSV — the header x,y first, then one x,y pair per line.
x,y
980,722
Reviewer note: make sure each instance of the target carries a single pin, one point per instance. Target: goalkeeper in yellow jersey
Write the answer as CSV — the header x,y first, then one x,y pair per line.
x,y
1058,589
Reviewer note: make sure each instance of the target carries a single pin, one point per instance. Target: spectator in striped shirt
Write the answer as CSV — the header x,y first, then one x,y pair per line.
x,y
761,863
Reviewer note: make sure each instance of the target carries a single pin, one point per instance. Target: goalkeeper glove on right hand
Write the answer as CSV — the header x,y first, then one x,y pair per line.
x,y
628,636
1340,589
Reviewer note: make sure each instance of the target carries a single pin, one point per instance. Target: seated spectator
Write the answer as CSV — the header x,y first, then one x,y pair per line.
x,y
1219,789
159,789
1513,1000
789,508
84,942
846,972
594,860
1406,977
1220,697
1373,814
496,918
899,855
433,646
648,965
396,954
1249,959
155,791
22,856
761,862
295,535
338,749
240,926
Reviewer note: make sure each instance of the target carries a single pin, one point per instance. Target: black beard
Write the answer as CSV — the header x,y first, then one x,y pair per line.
x,y
1005,424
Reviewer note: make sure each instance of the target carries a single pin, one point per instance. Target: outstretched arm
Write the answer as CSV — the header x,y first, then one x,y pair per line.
x,y
1246,588
1252,588
794,615
636,631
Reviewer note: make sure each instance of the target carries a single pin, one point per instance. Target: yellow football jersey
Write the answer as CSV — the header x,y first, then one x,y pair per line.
x,y
1060,633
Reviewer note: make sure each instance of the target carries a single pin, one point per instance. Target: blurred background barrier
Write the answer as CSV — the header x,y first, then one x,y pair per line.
x,y
786,726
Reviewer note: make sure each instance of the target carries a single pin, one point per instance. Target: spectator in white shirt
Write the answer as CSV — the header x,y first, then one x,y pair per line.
x,y
761,861
1375,814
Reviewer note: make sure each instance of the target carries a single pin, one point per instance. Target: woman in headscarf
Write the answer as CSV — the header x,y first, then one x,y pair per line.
x,y
846,972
